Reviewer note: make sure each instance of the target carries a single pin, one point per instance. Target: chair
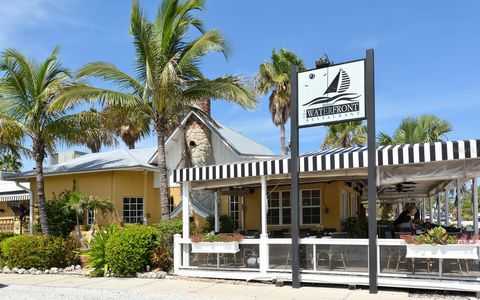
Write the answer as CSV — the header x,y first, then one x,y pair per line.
x,y
334,250
401,255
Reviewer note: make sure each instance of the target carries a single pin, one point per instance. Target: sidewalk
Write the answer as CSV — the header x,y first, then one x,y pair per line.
x,y
13,286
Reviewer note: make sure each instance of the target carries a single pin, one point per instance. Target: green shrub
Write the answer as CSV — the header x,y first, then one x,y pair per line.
x,y
96,253
5,235
35,251
167,229
61,218
72,251
128,250
225,223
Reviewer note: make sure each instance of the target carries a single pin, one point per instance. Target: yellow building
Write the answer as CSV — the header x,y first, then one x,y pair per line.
x,y
130,180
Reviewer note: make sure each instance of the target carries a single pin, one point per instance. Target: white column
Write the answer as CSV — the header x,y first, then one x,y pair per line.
x,y
475,206
217,216
447,221
430,203
458,197
423,209
177,253
186,221
264,259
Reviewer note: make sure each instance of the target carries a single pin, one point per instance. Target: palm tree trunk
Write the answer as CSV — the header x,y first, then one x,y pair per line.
x,y
39,154
282,139
162,170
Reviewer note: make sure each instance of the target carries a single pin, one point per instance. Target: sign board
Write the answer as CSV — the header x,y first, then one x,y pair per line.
x,y
332,94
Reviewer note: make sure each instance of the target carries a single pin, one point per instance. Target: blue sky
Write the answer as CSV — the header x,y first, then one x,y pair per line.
x,y
426,51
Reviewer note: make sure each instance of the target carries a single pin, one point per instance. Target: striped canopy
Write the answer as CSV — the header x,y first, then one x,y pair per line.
x,y
14,197
336,159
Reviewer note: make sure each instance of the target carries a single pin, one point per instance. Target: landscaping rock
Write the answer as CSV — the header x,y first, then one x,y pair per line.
x,y
152,275
60,270
47,271
14,270
54,270
32,271
78,267
38,272
6,270
22,271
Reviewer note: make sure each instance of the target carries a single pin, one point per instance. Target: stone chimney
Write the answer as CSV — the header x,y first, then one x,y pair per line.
x,y
204,105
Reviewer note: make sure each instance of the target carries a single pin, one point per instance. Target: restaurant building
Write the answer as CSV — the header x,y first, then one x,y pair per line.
x,y
333,189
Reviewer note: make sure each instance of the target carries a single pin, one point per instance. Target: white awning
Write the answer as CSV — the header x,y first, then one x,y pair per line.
x,y
341,159
14,197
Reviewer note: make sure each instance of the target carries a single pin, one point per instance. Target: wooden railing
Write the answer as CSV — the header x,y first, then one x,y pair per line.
x,y
6,224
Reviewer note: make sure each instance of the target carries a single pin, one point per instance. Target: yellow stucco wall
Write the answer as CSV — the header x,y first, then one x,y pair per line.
x,y
330,194
114,186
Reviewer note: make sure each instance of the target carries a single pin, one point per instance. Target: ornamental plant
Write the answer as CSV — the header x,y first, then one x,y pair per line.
x,y
221,237
128,250
436,236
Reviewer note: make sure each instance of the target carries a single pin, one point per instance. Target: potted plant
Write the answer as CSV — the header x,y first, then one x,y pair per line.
x,y
438,244
216,243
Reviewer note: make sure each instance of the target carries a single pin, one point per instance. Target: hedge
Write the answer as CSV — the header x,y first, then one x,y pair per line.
x,y
128,250
38,251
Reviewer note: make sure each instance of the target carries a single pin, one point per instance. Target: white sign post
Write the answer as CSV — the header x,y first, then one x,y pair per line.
x,y
332,94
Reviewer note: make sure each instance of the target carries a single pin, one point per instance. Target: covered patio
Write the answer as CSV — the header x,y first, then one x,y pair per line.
x,y
416,173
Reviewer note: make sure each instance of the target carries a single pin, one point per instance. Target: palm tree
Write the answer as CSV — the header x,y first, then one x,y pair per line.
x,y
95,135
10,163
130,125
347,134
28,90
274,77
168,78
421,129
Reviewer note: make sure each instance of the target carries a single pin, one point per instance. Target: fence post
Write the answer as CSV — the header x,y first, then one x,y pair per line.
x,y
264,259
177,253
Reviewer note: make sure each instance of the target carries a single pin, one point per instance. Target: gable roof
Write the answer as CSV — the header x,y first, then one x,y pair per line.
x,y
236,141
122,159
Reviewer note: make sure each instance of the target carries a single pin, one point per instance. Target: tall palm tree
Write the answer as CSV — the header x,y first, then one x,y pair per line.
x,y
96,134
347,134
274,77
130,125
421,129
168,78
28,89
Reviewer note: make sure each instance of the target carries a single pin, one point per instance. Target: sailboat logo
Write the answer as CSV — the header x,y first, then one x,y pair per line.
x,y
338,88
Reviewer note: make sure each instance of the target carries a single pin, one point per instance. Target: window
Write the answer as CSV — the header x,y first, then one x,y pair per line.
x,y
311,207
90,216
233,210
133,210
171,205
344,205
278,208
353,206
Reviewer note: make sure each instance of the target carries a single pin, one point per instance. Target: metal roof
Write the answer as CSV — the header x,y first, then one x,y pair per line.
x,y
238,142
122,159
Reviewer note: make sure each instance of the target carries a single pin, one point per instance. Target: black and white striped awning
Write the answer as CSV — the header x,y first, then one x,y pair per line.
x,y
336,159
14,197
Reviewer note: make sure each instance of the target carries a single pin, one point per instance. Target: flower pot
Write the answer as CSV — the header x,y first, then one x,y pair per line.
x,y
84,260
452,251
215,247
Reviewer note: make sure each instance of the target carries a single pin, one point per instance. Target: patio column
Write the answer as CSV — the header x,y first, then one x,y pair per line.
x,y
264,259
217,216
186,221
447,221
423,210
430,203
438,209
458,201
475,206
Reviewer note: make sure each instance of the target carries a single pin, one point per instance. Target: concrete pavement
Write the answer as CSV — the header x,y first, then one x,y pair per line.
x,y
13,286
